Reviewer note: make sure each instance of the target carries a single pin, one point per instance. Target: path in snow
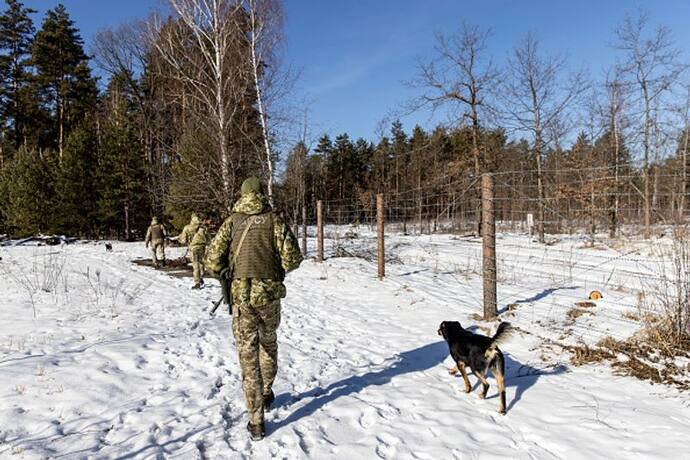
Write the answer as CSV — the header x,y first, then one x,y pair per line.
x,y
362,375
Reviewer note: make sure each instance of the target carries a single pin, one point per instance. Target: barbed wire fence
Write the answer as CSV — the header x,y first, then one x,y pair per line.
x,y
594,239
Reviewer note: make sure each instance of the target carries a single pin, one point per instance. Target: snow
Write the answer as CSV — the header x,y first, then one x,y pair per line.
x,y
122,361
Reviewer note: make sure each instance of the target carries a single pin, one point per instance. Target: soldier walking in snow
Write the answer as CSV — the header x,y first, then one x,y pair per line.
x,y
198,247
155,236
189,230
254,249
195,236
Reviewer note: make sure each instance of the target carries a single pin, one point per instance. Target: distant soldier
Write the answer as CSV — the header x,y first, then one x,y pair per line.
x,y
155,235
195,235
189,230
256,245
198,248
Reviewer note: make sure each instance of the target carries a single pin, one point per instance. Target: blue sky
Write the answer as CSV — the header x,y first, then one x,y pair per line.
x,y
354,55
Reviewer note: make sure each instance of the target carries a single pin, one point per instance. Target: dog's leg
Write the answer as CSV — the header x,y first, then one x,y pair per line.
x,y
485,383
500,380
453,370
498,369
461,367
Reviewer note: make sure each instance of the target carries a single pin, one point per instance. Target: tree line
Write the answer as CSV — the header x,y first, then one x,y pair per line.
x,y
187,108
576,151
180,120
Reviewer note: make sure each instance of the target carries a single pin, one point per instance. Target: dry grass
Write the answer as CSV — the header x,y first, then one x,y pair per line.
x,y
634,358
667,324
583,354
575,313
586,304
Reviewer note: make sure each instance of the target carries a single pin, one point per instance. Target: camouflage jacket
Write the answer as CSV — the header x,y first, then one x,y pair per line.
x,y
254,291
200,238
155,233
189,232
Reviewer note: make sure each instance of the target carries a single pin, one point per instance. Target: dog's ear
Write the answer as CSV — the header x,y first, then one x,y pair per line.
x,y
442,328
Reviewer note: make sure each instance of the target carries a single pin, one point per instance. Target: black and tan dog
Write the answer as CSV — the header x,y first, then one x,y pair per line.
x,y
479,352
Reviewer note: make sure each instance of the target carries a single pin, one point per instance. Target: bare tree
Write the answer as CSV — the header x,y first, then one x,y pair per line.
x,y
464,77
684,145
613,114
264,34
651,64
200,53
537,96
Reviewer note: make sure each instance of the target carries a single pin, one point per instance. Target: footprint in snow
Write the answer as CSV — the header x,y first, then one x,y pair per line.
x,y
386,447
368,418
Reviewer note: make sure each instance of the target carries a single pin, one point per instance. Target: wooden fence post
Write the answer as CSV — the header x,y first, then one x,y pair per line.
x,y
380,236
304,230
489,247
319,232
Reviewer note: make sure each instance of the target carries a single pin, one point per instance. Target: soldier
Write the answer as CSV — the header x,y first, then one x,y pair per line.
x,y
189,230
194,235
198,247
156,236
261,249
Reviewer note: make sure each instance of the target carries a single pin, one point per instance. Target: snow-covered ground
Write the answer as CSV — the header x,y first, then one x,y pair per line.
x,y
121,361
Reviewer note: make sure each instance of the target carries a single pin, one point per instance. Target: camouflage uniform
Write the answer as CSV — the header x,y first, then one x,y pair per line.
x,y
155,235
195,236
189,230
197,247
256,301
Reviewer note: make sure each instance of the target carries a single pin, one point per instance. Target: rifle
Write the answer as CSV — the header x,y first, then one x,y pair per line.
x,y
225,279
216,304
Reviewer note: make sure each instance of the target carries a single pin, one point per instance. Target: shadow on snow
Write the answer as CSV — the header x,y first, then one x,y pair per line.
x,y
518,375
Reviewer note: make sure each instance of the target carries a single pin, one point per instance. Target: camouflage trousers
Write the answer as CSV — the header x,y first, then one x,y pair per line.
x,y
254,328
157,245
198,263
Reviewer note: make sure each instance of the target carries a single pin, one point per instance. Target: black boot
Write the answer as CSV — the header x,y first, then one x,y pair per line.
x,y
197,286
268,400
256,432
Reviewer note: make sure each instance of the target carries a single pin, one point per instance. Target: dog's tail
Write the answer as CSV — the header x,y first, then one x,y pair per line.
x,y
503,333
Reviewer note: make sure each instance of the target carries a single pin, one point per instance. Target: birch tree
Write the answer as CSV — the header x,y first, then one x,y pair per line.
x,y
200,52
651,65
264,34
613,115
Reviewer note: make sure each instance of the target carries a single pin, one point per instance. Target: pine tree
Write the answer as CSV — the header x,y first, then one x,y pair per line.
x,y
16,37
28,182
76,185
418,157
340,177
380,166
123,205
319,166
400,155
63,77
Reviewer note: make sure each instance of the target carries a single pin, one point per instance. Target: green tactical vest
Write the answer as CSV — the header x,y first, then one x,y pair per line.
x,y
157,232
258,256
